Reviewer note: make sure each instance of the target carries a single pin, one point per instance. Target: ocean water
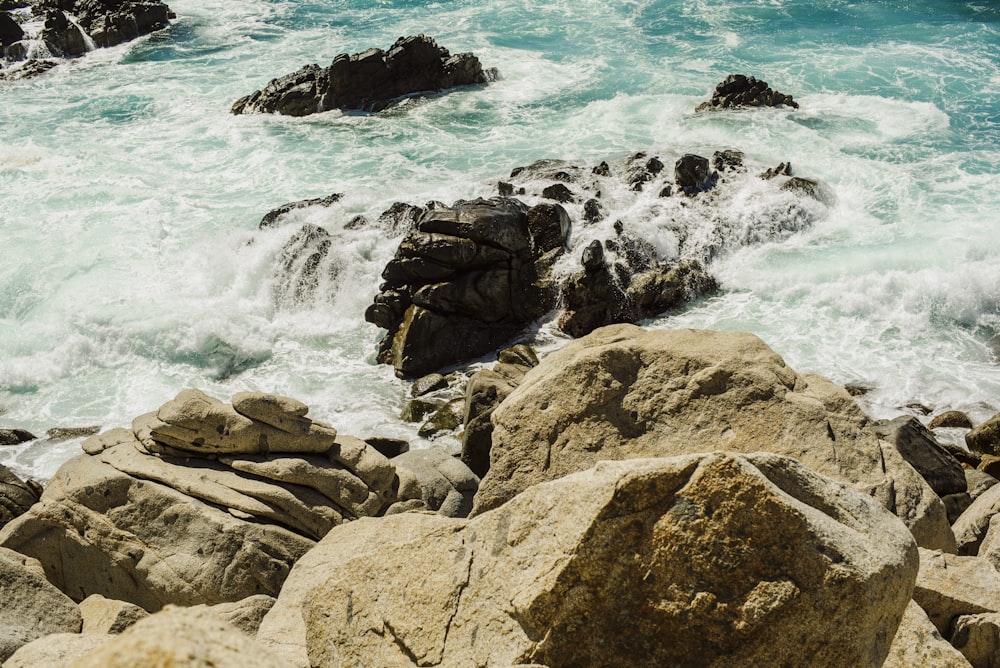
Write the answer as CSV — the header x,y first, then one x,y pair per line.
x,y
131,266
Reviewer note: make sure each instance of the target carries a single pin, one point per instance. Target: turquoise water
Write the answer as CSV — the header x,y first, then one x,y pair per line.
x,y
131,267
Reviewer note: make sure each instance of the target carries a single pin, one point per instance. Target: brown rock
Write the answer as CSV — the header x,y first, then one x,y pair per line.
x,y
103,615
918,643
977,637
752,560
985,438
950,420
949,586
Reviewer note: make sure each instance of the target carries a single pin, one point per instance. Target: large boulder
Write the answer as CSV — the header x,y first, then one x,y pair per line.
x,y
985,438
972,526
623,392
16,496
10,30
739,90
471,277
978,639
191,507
370,80
751,560
949,586
30,607
921,450
918,643
62,36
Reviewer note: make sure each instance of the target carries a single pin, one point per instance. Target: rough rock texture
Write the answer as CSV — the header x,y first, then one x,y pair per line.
x,y
16,496
978,482
111,22
972,526
752,560
370,80
486,389
950,420
738,90
442,482
105,615
10,31
918,643
693,174
15,436
921,450
471,277
58,650
624,392
274,217
977,637
985,438
30,607
62,36
949,586
180,638
245,615
145,521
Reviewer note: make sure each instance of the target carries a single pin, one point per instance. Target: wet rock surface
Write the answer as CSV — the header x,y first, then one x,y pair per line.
x,y
368,81
739,90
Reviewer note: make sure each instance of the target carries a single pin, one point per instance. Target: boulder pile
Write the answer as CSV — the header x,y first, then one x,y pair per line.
x,y
739,90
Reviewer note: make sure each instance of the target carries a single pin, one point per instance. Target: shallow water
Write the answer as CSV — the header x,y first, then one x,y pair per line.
x,y
131,265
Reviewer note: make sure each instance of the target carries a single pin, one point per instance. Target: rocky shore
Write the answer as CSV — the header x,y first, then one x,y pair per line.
x,y
69,29
636,497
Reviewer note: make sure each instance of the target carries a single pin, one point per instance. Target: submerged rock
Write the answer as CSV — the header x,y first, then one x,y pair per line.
x,y
739,90
370,80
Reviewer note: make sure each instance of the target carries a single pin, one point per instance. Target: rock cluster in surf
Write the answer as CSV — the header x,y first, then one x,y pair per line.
x,y
739,90
70,29
369,81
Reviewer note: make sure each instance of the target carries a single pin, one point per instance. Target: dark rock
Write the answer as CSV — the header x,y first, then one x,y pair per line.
x,y
400,218
558,192
921,450
505,189
668,286
427,384
918,408
546,169
729,160
985,438
443,419
783,169
358,222
640,170
990,465
470,277
390,447
270,219
111,22
593,212
739,90
964,457
15,436
369,81
62,36
950,420
601,170
10,31
666,191
483,393
303,266
802,186
66,433
693,174
955,505
16,496
593,256
28,70
416,410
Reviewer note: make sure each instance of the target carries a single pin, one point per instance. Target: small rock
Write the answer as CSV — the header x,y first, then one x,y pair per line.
x,y
693,174
65,433
417,409
427,384
950,420
558,192
272,217
15,436
985,438
444,418
105,615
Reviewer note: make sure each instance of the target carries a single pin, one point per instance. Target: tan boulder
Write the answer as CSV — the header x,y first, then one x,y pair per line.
x,y
180,638
104,615
197,423
950,586
918,643
753,560
978,639
98,530
245,615
623,392
30,607
972,526
58,650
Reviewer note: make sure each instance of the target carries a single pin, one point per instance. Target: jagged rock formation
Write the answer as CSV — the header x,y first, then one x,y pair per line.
x,y
370,80
201,502
470,278
739,90
16,496
752,560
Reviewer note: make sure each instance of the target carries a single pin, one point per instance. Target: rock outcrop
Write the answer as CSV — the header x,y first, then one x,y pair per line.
x,y
752,560
471,277
625,392
739,90
202,502
370,80
16,496
30,607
